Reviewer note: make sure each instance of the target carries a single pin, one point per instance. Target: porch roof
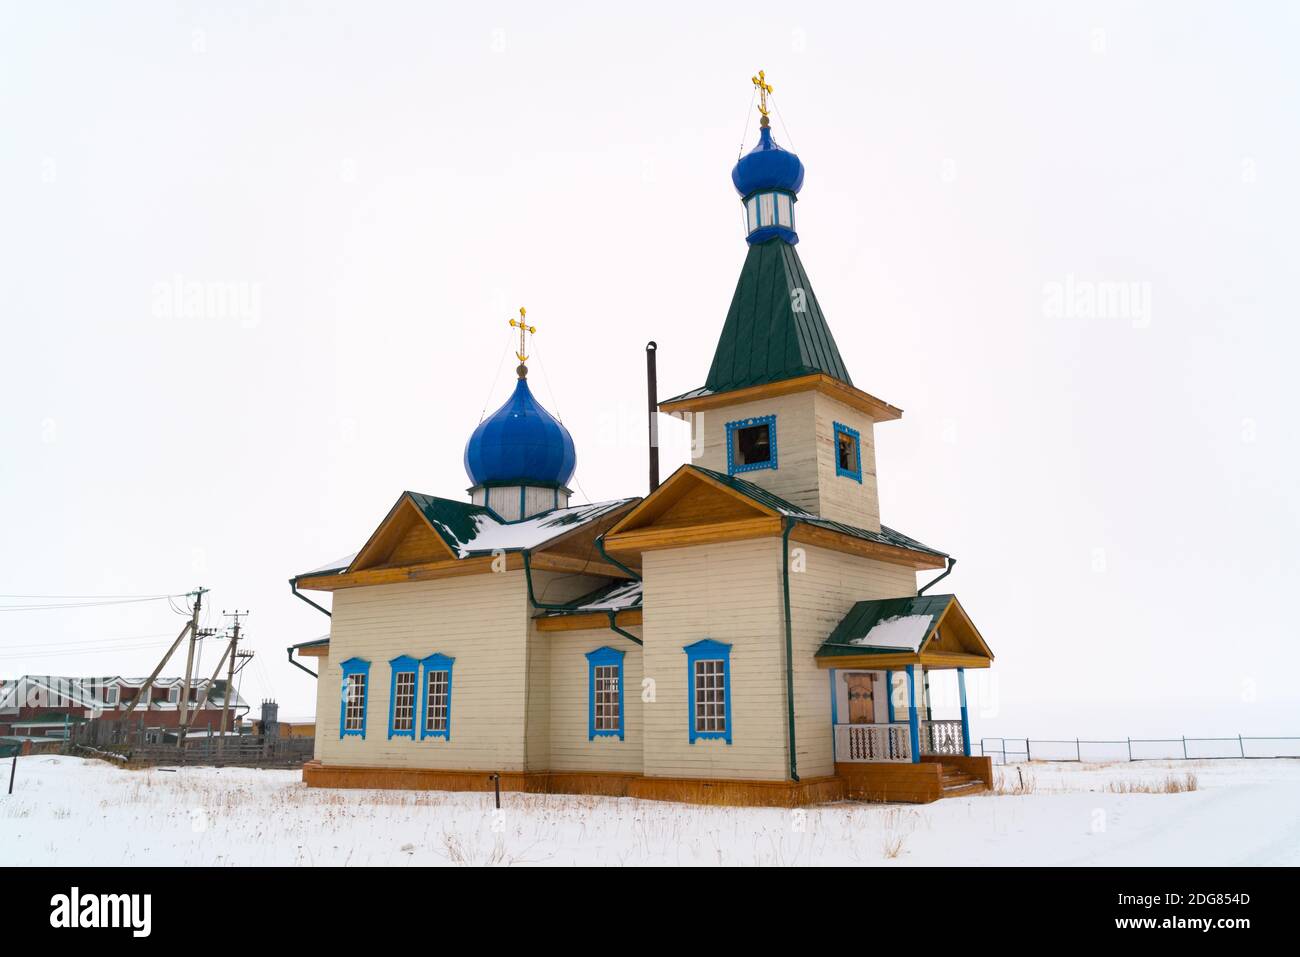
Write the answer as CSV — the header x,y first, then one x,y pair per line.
x,y
931,630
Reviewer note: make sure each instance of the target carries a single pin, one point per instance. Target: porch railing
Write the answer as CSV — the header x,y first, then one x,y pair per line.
x,y
892,742
872,742
941,737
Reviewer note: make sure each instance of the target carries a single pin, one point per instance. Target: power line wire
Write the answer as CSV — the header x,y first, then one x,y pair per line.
x,y
89,643
497,378
72,597
84,604
81,652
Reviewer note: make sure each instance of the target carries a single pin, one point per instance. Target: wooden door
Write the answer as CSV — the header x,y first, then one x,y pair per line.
x,y
862,706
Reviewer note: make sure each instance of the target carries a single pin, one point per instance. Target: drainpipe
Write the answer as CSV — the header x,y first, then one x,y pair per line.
x,y
600,544
300,665
943,574
789,646
293,585
532,597
546,606
613,626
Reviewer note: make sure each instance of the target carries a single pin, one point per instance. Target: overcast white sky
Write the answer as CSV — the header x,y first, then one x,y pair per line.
x,y
386,183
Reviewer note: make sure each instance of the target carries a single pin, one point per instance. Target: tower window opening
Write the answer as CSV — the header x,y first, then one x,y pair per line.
x,y
753,445
848,452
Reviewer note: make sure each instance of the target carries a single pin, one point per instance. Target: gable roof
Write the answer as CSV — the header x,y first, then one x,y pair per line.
x,y
491,532
906,626
886,535
774,329
469,530
886,625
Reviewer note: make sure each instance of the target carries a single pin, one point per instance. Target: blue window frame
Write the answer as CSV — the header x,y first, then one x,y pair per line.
x,y
751,444
604,694
848,452
435,697
401,697
354,695
708,684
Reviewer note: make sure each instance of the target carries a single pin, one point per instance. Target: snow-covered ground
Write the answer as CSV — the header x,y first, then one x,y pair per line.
x,y
68,811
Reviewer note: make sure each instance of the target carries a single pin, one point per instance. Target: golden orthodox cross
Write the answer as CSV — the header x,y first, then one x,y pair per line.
x,y
524,328
764,91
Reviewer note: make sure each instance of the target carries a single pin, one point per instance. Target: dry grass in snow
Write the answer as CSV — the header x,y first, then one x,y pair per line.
x,y
68,811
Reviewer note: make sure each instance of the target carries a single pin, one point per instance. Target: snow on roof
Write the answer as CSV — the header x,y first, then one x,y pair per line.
x,y
339,564
903,632
623,596
474,529
86,692
492,533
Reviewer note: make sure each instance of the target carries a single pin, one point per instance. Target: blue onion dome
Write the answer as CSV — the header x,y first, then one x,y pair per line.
x,y
767,166
768,179
520,444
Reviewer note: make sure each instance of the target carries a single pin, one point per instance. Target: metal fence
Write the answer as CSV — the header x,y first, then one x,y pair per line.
x,y
1013,750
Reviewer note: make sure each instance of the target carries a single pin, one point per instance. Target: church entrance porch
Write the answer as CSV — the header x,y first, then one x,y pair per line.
x,y
890,746
887,716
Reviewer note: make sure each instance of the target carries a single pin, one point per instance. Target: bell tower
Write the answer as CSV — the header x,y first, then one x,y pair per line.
x,y
778,407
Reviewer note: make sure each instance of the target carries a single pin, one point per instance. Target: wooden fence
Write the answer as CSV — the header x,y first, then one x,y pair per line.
x,y
138,744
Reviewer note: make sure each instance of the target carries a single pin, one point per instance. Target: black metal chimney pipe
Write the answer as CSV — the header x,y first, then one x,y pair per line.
x,y
652,410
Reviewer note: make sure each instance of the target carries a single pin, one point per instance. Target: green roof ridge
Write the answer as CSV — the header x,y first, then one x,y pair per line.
x,y
764,339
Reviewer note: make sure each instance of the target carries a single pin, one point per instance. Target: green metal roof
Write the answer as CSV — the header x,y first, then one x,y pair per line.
x,y
453,521
886,535
755,492
774,329
865,615
615,596
314,643
471,530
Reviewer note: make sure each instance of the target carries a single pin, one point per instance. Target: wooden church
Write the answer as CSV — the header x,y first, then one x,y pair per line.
x,y
747,633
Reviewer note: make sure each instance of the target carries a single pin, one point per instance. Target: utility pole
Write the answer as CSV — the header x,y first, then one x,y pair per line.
x,y
226,706
184,723
216,673
143,693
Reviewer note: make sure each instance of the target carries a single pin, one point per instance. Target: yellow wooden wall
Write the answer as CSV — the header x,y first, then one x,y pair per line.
x,y
481,621
731,593
570,749
806,454
820,596
795,478
839,497
550,588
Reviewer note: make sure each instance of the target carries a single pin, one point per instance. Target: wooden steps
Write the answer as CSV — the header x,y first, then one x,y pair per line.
x,y
957,783
931,779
